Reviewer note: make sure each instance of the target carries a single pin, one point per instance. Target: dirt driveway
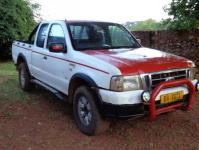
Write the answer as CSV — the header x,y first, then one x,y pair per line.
x,y
38,121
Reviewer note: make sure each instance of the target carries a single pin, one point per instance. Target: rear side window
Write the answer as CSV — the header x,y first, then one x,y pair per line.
x,y
42,35
56,35
32,36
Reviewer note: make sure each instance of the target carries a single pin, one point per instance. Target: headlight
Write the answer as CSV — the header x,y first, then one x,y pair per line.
x,y
192,73
125,83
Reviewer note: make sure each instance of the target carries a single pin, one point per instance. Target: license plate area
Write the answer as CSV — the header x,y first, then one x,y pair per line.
x,y
171,97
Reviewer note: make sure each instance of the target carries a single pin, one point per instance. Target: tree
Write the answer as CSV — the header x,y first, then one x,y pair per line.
x,y
147,25
185,14
16,22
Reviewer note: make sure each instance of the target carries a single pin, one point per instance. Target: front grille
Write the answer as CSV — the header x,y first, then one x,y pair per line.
x,y
152,80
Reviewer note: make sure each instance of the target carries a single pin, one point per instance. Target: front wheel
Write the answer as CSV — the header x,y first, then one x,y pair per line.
x,y
86,113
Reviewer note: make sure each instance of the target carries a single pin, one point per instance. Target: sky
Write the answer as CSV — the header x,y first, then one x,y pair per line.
x,y
119,11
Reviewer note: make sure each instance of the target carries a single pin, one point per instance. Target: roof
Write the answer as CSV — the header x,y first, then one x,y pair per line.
x,y
83,21
77,21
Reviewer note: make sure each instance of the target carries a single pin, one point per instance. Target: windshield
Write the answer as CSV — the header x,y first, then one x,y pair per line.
x,y
97,35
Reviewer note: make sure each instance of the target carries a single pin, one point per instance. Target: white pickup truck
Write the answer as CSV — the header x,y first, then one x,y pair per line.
x,y
104,72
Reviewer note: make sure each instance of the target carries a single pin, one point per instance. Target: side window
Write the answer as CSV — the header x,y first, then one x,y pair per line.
x,y
56,35
42,35
31,38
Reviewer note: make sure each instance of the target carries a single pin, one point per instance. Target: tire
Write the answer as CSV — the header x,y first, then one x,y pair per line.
x,y
86,114
24,78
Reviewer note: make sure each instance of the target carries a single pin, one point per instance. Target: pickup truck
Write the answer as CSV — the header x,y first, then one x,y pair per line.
x,y
104,72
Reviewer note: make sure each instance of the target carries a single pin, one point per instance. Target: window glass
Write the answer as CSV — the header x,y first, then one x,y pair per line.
x,y
119,36
31,39
42,35
79,32
56,35
97,35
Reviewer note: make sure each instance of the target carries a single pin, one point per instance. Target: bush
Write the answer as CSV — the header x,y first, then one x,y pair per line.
x,y
16,22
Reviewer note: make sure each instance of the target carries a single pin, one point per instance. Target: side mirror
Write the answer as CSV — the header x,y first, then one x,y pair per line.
x,y
139,41
57,47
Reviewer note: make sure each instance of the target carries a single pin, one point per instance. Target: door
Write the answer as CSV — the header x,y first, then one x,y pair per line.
x,y
38,57
56,65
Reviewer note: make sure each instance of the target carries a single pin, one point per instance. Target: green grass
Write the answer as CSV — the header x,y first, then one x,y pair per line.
x,y
9,86
8,69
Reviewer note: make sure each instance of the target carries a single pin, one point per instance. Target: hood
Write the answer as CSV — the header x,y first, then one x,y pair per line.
x,y
140,60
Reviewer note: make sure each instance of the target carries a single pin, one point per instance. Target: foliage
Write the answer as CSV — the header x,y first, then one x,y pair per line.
x,y
185,14
147,25
16,22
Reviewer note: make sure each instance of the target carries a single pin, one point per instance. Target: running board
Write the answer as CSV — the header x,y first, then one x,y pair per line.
x,y
55,92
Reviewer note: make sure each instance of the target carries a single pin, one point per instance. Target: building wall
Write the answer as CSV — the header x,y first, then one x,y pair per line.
x,y
182,42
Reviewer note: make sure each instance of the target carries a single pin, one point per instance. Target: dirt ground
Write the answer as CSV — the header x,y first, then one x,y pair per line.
x,y
38,121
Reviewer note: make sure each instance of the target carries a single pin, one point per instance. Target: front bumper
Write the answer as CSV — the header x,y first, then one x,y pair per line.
x,y
129,104
123,111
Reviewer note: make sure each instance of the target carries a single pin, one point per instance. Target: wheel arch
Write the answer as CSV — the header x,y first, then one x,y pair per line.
x,y
79,79
22,59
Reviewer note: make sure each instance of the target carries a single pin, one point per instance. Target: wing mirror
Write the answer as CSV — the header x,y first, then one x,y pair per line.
x,y
57,48
139,41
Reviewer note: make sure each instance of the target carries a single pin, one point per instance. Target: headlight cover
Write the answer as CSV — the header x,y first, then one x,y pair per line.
x,y
192,73
125,83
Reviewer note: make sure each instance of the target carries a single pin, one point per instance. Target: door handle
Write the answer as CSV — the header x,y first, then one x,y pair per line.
x,y
45,57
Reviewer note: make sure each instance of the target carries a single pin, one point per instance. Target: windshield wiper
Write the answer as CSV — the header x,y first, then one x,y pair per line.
x,y
106,46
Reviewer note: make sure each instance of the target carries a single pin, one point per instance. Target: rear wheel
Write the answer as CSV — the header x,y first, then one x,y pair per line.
x,y
24,78
86,113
